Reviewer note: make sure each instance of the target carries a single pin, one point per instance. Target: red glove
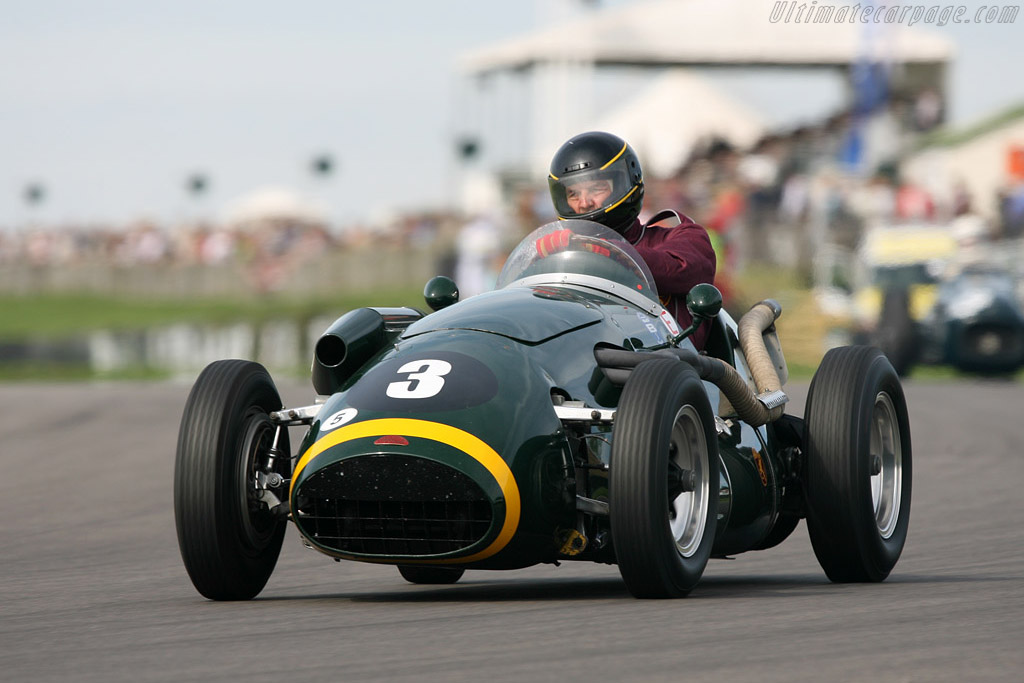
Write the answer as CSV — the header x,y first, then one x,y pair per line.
x,y
597,249
553,243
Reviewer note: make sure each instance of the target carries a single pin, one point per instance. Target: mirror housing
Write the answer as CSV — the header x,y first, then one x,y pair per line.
x,y
704,301
440,292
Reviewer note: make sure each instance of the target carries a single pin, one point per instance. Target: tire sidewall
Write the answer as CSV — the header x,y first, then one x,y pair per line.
x,y
670,574
692,393
841,521
253,535
254,399
225,560
884,379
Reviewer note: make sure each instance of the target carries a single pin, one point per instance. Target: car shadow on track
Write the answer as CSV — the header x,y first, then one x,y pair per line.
x,y
494,590
807,585
471,590
483,590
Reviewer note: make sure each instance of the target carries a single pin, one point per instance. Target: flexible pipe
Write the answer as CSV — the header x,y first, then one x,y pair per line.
x,y
718,372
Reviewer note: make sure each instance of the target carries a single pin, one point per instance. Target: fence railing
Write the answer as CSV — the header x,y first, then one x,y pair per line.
x,y
349,270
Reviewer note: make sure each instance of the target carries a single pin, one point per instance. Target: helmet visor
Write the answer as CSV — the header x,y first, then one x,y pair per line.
x,y
591,192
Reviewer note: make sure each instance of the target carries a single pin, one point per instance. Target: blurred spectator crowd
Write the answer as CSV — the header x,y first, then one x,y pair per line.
x,y
778,202
270,250
795,192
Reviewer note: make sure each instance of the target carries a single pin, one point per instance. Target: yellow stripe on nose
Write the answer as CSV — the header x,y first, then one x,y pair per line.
x,y
469,444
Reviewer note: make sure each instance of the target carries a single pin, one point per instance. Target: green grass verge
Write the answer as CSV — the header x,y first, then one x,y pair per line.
x,y
61,372
55,317
62,316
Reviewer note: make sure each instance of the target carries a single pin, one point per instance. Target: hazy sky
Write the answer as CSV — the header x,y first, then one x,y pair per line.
x,y
112,104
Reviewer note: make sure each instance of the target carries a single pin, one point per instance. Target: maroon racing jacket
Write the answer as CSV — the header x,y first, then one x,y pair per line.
x,y
679,256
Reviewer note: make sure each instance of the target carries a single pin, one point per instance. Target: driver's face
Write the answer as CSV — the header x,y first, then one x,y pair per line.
x,y
588,195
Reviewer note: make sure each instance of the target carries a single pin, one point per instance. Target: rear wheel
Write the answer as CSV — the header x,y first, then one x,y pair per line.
x,y
664,468
229,539
430,575
859,470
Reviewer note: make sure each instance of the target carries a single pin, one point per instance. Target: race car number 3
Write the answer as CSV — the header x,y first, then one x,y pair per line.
x,y
424,379
443,380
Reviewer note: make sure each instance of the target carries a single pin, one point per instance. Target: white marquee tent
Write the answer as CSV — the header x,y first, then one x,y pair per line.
x,y
554,68
663,124
713,32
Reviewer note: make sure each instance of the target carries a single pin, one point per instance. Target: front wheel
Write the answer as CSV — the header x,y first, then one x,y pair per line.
x,y
664,470
228,537
858,470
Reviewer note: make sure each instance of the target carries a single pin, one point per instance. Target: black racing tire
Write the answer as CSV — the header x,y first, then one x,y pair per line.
x,y
430,575
229,541
859,469
664,427
896,334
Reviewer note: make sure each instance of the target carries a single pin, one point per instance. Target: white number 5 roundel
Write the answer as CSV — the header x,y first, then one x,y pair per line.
x,y
339,418
425,379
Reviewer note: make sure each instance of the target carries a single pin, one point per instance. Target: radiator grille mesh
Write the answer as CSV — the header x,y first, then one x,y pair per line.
x,y
392,505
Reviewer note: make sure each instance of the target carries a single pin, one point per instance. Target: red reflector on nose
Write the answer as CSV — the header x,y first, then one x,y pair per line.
x,y
392,440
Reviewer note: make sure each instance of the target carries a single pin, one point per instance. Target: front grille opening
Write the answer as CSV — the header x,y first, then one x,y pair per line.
x,y
397,527
393,505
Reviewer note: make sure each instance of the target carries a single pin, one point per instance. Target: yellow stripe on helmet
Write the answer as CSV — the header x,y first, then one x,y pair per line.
x,y
623,199
624,145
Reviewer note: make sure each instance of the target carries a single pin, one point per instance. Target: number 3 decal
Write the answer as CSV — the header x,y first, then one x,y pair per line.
x,y
426,379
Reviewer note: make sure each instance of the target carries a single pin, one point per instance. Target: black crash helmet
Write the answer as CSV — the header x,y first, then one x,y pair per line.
x,y
598,156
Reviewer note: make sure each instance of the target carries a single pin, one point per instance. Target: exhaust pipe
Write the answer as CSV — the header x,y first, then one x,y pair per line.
x,y
766,366
353,339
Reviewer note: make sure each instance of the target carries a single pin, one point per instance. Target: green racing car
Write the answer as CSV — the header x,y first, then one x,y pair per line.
x,y
563,416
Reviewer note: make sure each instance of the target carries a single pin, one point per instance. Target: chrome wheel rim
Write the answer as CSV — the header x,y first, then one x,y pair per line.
x,y
886,465
257,524
688,452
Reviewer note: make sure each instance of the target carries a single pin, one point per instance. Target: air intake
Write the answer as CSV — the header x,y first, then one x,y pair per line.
x,y
392,505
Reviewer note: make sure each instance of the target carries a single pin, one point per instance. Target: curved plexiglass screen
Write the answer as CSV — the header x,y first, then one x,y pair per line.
x,y
566,249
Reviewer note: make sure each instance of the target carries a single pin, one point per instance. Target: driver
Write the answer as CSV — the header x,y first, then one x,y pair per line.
x,y
596,176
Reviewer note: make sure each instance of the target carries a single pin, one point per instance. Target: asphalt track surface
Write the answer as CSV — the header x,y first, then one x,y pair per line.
x,y
92,587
